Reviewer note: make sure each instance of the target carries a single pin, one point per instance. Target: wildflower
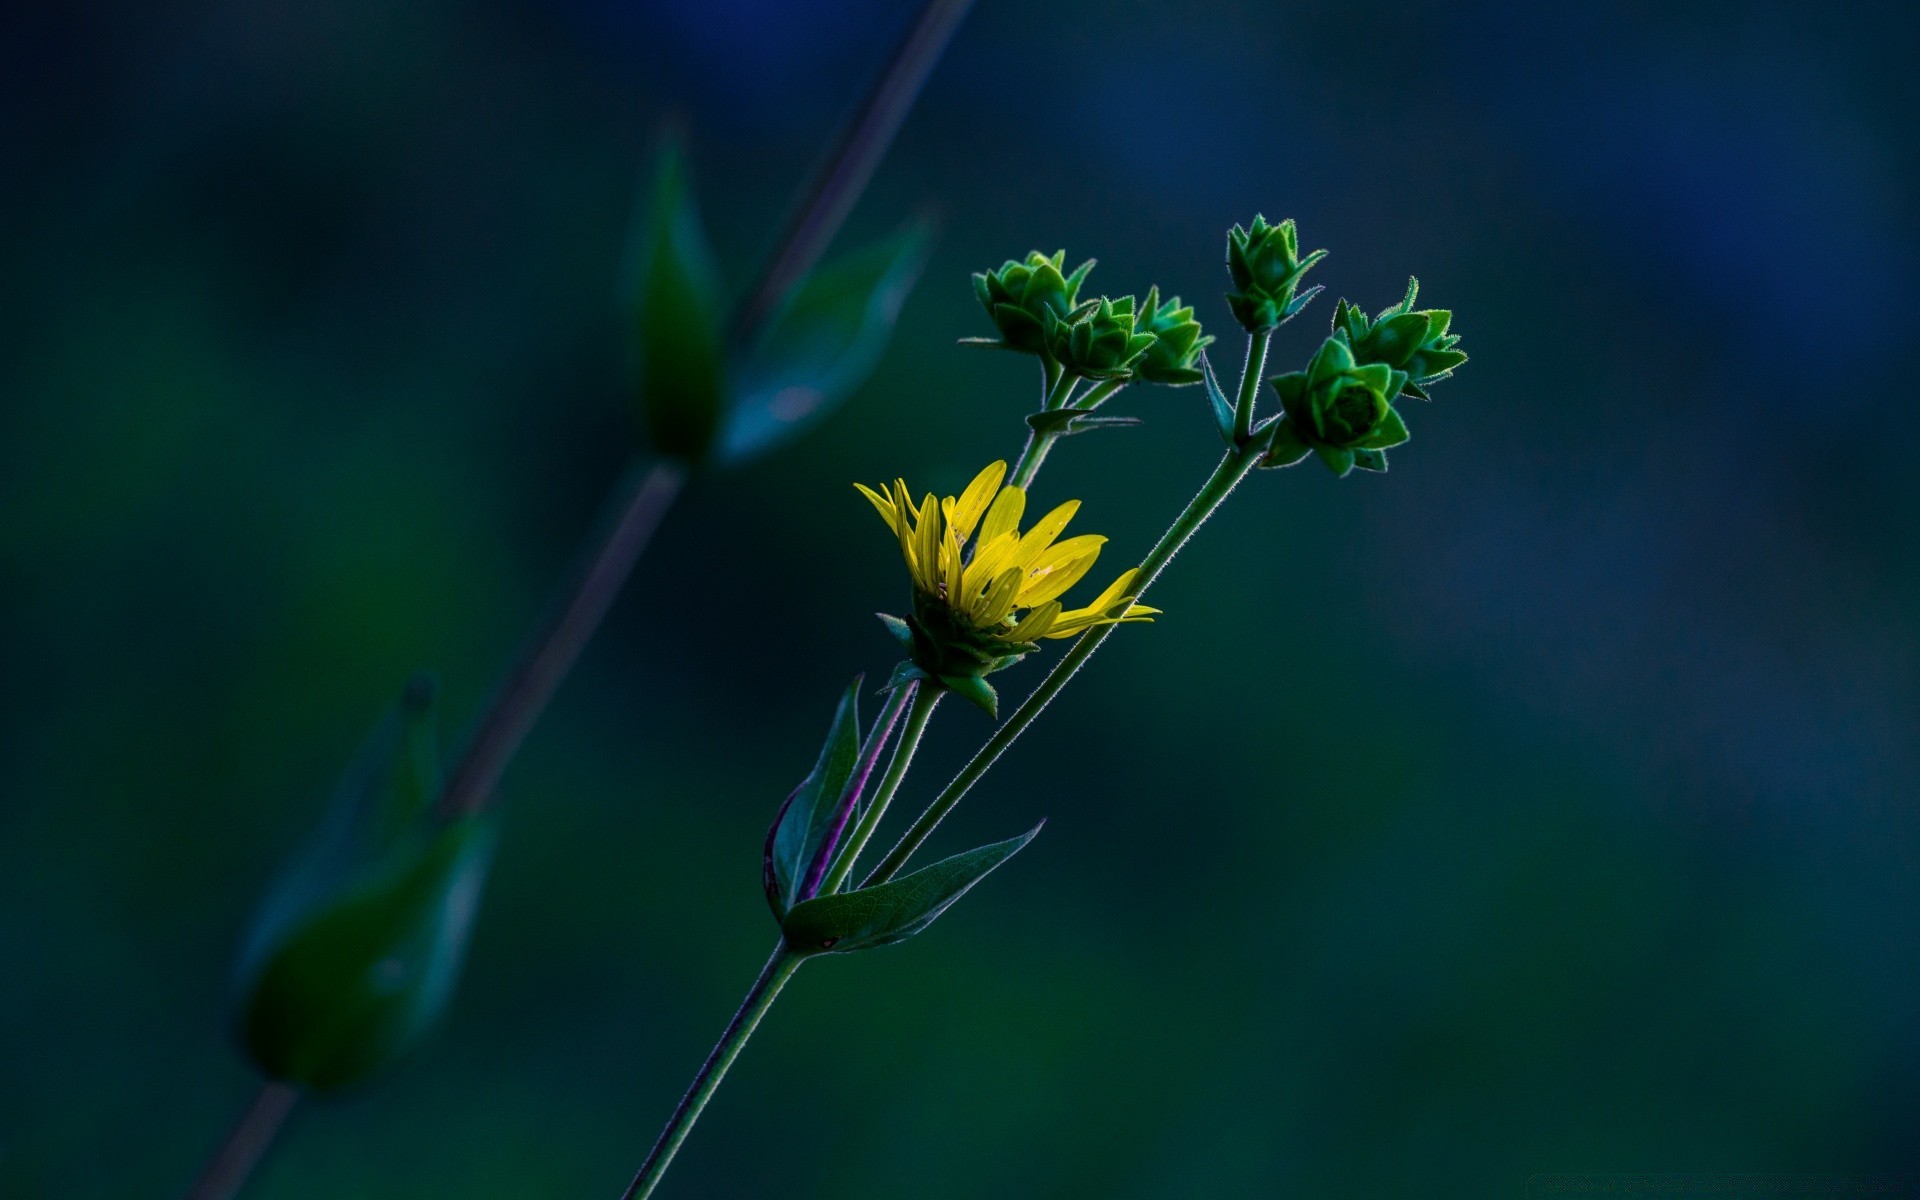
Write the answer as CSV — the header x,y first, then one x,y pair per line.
x,y
983,592
1264,261
1099,339
1177,341
1407,339
1020,296
1340,410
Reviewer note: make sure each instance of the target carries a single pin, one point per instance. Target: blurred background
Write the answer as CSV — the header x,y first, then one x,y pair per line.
x,y
1546,805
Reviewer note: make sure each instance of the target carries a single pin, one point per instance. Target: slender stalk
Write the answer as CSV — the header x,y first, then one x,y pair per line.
x,y
853,159
759,997
1250,385
1031,456
1232,469
1098,396
555,644
828,852
230,1166
917,716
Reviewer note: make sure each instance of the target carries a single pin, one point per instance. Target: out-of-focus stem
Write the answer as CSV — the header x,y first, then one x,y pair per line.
x,y
234,1161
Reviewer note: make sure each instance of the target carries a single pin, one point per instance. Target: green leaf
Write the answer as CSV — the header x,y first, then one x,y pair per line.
x,y
1340,462
1391,430
823,345
356,948
806,817
1370,460
355,984
1287,448
896,910
1222,407
975,691
1053,420
682,373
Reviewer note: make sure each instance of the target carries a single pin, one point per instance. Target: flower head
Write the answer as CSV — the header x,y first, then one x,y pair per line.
x,y
1264,261
983,592
1099,339
1339,409
1177,341
1023,293
1406,339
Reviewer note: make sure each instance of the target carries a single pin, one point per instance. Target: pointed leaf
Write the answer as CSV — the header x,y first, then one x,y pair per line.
x,y
807,815
1222,407
823,345
1370,460
895,910
682,374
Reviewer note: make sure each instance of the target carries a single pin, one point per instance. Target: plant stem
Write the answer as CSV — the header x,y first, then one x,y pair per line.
x,y
816,882
234,1161
555,645
917,716
853,159
759,997
1232,469
1031,456
1250,385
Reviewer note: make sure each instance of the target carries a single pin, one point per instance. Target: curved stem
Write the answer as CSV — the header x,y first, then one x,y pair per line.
x,y
240,1152
550,652
917,716
1250,385
1232,469
759,997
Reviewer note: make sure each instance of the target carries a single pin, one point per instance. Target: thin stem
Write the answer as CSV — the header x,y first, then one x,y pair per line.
x,y
1232,469
917,717
1098,396
849,798
759,998
1031,456
550,652
851,164
236,1157
1250,385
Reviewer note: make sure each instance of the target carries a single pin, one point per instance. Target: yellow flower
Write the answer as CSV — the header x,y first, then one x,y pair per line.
x,y
977,577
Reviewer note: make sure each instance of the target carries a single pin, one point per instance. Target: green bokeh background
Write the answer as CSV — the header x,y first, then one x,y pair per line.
x,y
1546,805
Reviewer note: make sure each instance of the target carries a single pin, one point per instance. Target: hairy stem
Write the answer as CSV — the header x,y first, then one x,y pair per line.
x,y
1232,469
759,998
828,852
1250,385
917,716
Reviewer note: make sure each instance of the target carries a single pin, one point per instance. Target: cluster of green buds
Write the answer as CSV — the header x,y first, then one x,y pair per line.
x,y
1098,340
1264,261
1412,340
1022,296
1340,410
1173,359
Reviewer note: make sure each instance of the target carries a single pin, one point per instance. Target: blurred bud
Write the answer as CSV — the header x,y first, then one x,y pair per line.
x,y
1020,296
1406,339
1098,340
1340,410
682,389
1173,357
1264,261
355,952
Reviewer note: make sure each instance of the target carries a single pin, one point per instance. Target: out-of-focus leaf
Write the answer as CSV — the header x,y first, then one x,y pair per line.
x,y
682,370
357,948
896,910
806,816
823,345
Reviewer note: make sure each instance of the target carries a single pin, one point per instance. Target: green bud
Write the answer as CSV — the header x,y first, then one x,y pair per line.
x,y
356,950
1177,342
1340,409
1020,296
1406,339
1264,261
1098,340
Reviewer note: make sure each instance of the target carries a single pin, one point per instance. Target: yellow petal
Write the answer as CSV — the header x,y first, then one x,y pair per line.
x,y
951,571
989,559
1035,624
1061,567
1118,588
998,603
967,510
888,512
926,548
1035,541
1003,515
904,527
